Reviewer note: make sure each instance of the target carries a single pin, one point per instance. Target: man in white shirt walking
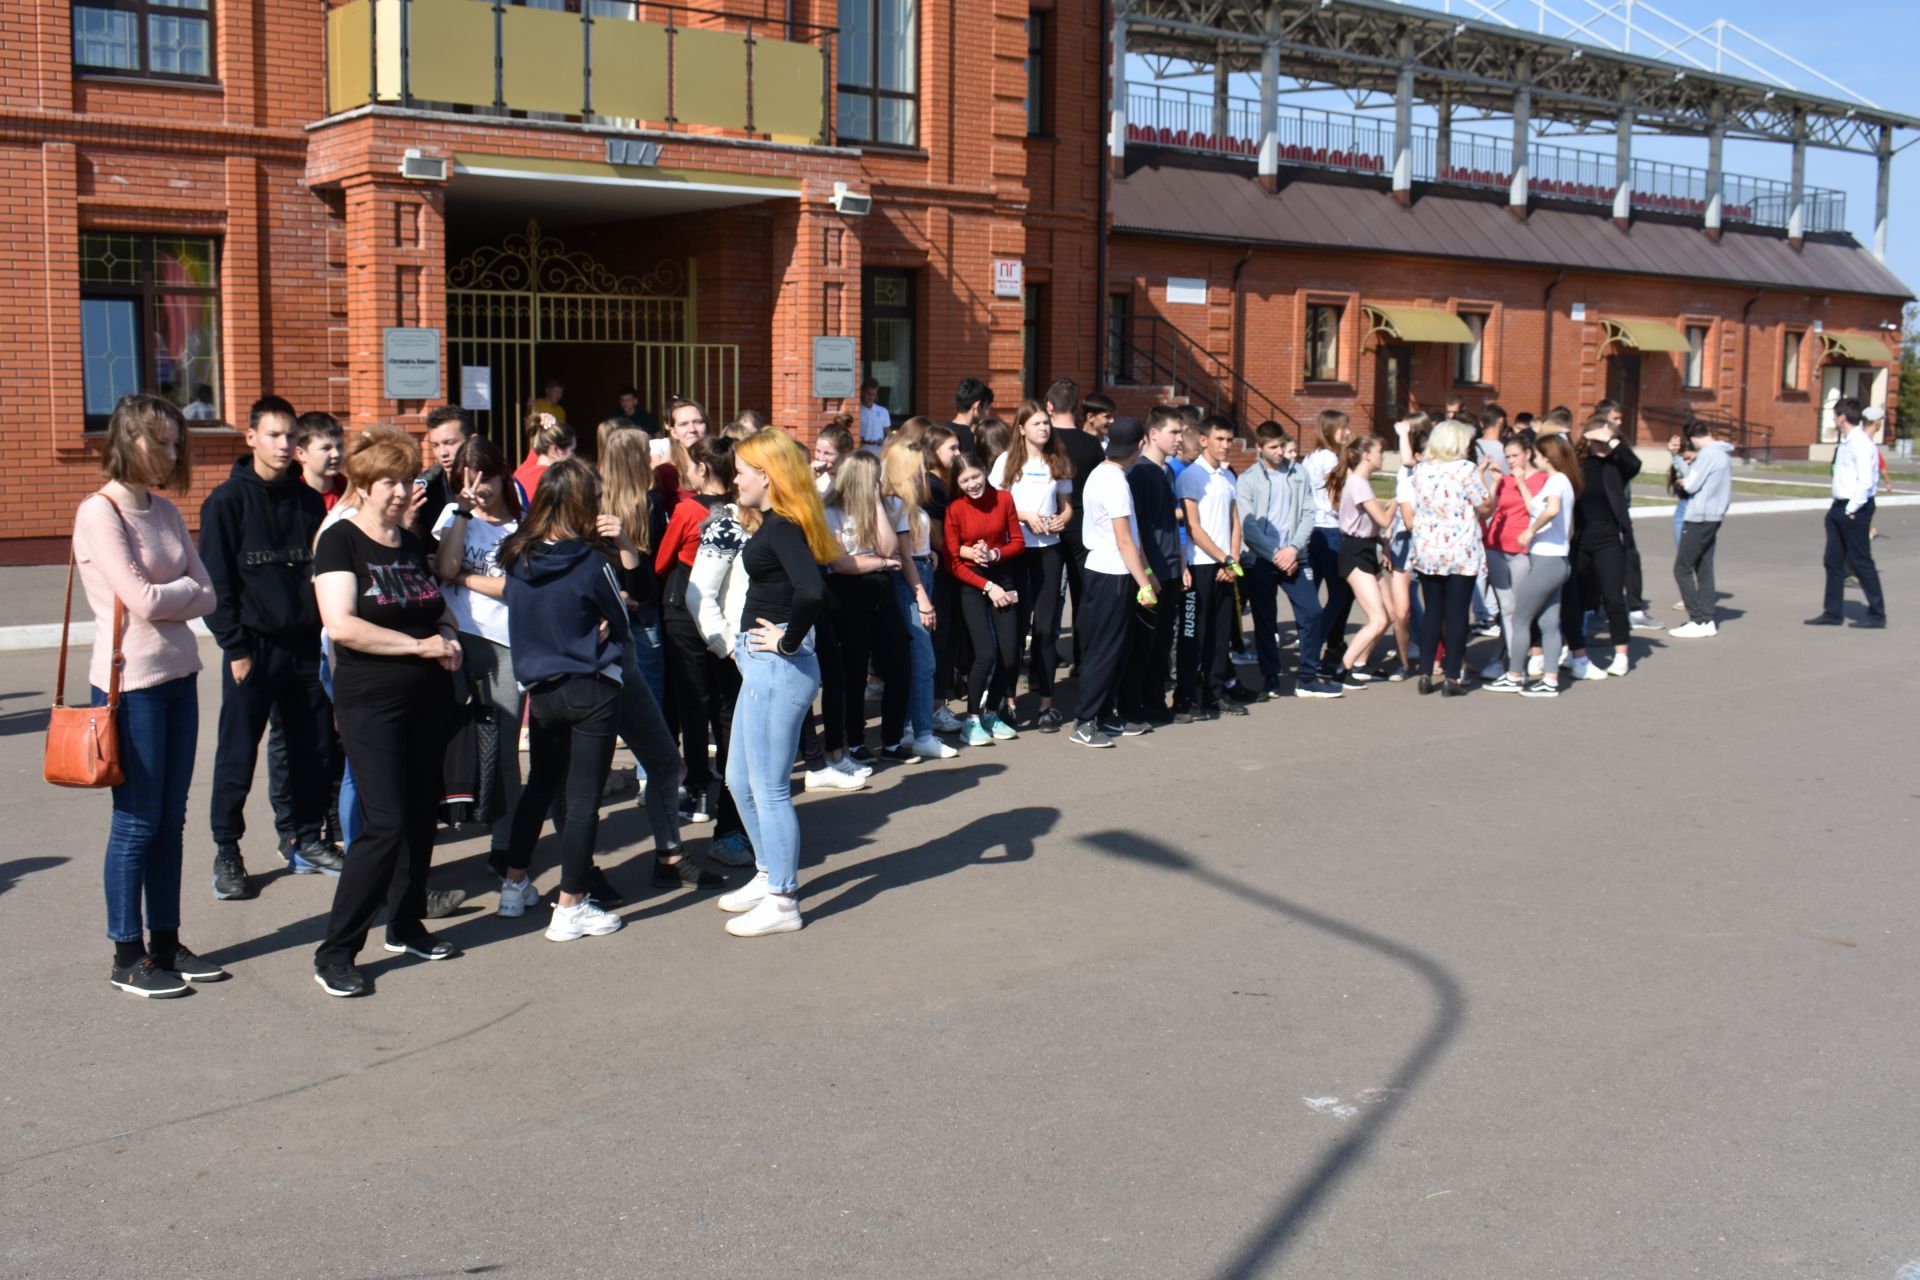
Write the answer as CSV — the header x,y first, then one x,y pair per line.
x,y
875,420
1856,477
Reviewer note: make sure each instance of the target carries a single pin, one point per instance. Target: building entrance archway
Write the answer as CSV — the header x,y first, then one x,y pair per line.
x,y
529,308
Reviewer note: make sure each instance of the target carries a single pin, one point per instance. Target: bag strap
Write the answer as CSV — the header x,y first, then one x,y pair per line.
x,y
119,624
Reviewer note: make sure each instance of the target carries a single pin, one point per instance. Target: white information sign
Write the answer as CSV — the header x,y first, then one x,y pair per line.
x,y
412,359
1007,277
476,387
834,374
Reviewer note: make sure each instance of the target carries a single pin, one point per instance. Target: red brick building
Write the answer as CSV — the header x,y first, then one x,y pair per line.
x,y
213,200
217,200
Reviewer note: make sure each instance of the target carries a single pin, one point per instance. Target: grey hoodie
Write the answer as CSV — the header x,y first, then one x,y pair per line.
x,y
1708,482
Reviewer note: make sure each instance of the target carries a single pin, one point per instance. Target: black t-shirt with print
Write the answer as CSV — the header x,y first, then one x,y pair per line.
x,y
396,590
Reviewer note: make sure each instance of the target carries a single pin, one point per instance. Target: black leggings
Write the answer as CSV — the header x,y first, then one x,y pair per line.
x,y
1601,571
871,630
996,649
1446,599
571,723
1040,609
691,674
831,722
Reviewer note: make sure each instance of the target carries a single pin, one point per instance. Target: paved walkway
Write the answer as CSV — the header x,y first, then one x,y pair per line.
x,y
1618,986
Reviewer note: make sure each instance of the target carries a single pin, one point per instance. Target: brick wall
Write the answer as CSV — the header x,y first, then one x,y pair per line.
x,y
1537,355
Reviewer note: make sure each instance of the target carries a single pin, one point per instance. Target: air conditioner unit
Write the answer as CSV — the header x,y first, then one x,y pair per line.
x,y
419,168
850,203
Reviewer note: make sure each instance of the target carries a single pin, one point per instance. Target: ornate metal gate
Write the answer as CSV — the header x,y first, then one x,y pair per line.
x,y
506,301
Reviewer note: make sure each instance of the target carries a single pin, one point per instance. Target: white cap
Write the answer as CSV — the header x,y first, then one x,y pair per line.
x,y
1873,413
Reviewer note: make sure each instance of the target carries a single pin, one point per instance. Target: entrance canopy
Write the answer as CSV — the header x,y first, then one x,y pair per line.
x,y
562,192
1863,347
1418,324
1646,335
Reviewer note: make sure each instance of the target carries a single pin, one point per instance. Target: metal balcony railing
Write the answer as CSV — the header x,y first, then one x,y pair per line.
x,y
1196,121
729,69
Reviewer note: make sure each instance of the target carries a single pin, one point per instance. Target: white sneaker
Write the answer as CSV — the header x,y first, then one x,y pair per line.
x,y
1566,656
847,764
1695,631
775,913
832,779
1493,670
929,748
747,896
582,921
944,721
1619,666
1536,665
516,896
1583,669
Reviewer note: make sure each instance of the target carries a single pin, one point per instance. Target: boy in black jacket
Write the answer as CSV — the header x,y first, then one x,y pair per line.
x,y
256,537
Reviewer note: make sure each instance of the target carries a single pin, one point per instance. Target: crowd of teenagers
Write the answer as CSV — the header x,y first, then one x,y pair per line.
x,y
726,601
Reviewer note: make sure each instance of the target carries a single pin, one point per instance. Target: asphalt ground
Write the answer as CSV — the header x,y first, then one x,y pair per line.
x,y
1613,986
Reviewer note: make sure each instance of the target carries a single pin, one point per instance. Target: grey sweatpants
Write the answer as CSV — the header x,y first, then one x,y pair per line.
x,y
1506,571
1538,597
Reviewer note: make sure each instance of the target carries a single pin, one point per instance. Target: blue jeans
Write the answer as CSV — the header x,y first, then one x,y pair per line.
x,y
919,651
776,693
652,660
1265,584
1679,520
158,727
1323,555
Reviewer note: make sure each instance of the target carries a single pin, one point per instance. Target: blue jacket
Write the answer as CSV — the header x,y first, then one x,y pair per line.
x,y
557,597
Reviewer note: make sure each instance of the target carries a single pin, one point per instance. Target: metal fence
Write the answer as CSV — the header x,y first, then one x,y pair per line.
x,y
1193,120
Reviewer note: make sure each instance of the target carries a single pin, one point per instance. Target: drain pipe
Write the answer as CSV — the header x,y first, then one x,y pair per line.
x,y
1101,374
1746,357
1239,328
1546,351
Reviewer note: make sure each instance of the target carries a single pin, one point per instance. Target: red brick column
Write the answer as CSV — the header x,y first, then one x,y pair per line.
x,y
815,285
396,276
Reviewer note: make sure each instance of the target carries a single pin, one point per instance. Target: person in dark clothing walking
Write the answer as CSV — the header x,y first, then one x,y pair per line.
x,y
256,538
1603,532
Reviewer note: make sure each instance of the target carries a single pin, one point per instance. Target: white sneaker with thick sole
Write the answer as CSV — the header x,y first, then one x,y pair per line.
x,y
1584,669
1536,665
747,896
929,748
1619,666
775,913
832,779
583,921
516,896
1695,631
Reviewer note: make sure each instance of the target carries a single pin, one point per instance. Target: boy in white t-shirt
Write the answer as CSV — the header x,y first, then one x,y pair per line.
x,y
1207,491
1113,579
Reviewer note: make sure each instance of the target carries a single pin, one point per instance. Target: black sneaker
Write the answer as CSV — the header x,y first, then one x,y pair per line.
x,y
230,874
1349,679
1184,717
192,967
898,753
1134,728
145,978
1317,688
1271,690
1540,689
1234,708
1049,720
694,809
425,946
1825,620
1240,693
601,890
1089,735
1872,622
444,902
683,873
313,857
341,980
1112,728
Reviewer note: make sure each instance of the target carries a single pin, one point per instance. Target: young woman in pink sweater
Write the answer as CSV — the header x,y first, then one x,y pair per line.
x,y
131,545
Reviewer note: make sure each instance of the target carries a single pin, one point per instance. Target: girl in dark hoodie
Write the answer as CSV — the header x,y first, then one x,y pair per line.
x,y
568,628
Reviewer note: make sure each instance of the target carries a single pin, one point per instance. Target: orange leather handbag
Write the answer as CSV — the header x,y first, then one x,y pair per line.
x,y
83,743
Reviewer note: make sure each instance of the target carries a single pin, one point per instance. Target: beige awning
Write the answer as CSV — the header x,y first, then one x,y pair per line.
x,y
1418,324
1853,346
1646,335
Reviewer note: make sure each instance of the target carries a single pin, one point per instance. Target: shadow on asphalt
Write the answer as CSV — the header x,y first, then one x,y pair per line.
x,y
12,873
1270,1239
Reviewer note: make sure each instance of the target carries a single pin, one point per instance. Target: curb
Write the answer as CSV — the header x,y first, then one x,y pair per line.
x,y
46,635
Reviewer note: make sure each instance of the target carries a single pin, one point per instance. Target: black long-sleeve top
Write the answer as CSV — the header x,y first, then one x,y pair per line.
x,y
783,581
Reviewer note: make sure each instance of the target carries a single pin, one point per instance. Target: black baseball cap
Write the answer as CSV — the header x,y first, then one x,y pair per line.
x,y
1124,436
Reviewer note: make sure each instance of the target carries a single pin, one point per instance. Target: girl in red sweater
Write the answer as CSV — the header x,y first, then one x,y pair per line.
x,y
983,535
